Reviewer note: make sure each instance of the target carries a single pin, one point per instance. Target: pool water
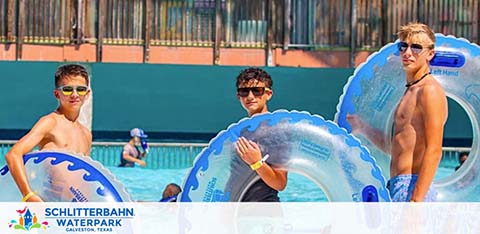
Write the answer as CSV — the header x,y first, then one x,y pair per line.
x,y
148,184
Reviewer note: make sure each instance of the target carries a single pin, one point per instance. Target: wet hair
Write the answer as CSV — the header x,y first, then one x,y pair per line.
x,y
70,70
255,74
461,154
414,28
172,189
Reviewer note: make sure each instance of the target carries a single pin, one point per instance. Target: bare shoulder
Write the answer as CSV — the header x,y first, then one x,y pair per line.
x,y
432,91
46,122
42,130
87,132
433,98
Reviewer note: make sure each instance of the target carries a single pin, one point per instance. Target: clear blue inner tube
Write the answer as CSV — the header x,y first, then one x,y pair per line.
x,y
296,141
376,87
64,177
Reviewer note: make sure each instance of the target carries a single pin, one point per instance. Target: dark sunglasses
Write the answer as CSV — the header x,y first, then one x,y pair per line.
x,y
67,90
257,91
416,48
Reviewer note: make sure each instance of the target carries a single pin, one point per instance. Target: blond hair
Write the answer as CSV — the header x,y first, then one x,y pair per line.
x,y
413,28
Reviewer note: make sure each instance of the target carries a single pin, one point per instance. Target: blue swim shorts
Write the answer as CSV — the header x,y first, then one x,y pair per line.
x,y
401,188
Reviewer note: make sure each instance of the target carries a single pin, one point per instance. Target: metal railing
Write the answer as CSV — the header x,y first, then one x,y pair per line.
x,y
182,155
348,24
161,155
450,156
182,23
244,23
123,20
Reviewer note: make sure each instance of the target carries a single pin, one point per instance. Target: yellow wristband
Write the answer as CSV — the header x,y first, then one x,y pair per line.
x,y
28,196
256,165
412,200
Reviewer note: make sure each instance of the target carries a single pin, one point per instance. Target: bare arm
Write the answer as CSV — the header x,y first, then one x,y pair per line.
x,y
89,135
434,107
250,154
14,157
373,135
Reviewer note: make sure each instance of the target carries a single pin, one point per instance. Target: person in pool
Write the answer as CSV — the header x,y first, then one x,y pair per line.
x,y
416,147
462,157
254,90
135,150
59,130
171,192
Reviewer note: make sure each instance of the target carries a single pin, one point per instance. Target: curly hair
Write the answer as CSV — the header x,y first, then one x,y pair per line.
x,y
256,74
70,70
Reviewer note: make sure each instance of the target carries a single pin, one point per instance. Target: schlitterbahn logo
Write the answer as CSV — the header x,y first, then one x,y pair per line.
x,y
81,219
27,221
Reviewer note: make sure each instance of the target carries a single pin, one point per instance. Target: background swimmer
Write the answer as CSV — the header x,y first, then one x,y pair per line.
x,y
59,130
462,157
135,149
171,192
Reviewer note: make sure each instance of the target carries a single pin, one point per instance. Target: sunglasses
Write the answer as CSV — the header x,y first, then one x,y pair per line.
x,y
416,48
257,91
67,90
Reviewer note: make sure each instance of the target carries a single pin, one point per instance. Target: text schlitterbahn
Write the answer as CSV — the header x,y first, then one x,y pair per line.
x,y
89,219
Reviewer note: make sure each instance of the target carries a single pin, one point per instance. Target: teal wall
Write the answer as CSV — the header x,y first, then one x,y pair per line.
x,y
174,98
27,93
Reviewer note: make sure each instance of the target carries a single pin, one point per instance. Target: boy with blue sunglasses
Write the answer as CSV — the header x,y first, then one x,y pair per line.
x,y
419,120
57,131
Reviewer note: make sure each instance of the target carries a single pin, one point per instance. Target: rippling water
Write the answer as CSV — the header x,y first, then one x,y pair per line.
x,y
147,184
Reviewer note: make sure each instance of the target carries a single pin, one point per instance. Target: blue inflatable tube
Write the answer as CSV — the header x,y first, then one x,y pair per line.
x,y
296,141
64,177
376,87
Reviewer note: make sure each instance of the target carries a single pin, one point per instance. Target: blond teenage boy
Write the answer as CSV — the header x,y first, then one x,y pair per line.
x,y
416,147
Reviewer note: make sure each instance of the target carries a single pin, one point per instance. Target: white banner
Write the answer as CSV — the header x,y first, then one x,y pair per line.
x,y
241,218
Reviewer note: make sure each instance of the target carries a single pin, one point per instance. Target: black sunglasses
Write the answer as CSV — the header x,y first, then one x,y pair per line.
x,y
257,91
416,48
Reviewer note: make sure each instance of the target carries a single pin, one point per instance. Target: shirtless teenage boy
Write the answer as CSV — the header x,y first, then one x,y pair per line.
x,y
59,130
416,147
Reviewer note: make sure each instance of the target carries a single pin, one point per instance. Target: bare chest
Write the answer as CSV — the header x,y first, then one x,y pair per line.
x,y
71,138
408,111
